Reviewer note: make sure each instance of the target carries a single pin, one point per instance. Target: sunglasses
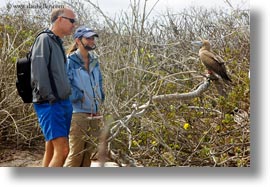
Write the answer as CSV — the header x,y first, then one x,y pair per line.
x,y
70,19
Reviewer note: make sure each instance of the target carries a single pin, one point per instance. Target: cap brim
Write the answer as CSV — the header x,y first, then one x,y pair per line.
x,y
90,34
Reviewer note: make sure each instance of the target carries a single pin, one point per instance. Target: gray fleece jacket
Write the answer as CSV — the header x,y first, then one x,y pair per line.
x,y
46,89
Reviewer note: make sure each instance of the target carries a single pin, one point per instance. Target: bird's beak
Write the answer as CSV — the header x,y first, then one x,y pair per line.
x,y
197,43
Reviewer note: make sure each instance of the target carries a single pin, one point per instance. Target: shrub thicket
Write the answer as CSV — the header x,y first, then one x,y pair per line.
x,y
142,56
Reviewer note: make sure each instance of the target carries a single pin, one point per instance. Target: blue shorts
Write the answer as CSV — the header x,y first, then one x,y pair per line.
x,y
54,119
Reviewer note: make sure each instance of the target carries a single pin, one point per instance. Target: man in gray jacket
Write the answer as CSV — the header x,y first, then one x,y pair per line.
x,y
51,87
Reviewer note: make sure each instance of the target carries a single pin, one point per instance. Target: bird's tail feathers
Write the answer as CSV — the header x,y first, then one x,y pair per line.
x,y
227,78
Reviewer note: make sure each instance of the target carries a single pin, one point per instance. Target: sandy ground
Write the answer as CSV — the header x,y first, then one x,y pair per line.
x,y
20,158
31,158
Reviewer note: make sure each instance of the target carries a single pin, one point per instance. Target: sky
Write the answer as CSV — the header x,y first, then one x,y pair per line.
x,y
174,5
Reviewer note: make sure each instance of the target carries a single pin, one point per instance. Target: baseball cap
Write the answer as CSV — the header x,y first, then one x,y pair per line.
x,y
84,32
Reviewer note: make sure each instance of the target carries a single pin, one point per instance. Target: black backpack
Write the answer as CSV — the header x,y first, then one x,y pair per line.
x,y
23,82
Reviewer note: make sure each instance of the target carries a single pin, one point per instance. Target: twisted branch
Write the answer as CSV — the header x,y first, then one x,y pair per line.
x,y
138,112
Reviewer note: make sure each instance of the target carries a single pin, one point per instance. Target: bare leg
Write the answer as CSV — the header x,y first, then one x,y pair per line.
x,y
48,154
60,152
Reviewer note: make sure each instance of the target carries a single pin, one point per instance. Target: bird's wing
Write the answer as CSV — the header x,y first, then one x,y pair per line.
x,y
213,56
212,62
219,59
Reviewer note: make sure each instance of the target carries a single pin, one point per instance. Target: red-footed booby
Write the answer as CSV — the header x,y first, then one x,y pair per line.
x,y
212,62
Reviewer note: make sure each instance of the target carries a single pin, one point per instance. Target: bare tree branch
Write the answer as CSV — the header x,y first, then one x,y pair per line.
x,y
196,93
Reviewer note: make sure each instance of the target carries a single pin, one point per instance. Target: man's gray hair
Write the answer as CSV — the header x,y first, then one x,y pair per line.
x,y
56,13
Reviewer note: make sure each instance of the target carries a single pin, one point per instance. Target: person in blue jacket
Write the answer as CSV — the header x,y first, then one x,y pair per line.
x,y
87,94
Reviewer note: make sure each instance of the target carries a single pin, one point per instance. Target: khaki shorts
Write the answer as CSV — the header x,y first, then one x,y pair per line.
x,y
83,139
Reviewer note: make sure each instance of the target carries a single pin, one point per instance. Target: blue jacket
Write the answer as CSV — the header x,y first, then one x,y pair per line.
x,y
85,84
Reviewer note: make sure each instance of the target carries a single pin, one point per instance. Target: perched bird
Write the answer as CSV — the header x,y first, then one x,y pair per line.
x,y
212,62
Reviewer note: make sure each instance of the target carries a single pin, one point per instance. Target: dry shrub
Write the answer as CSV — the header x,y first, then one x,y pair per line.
x,y
144,56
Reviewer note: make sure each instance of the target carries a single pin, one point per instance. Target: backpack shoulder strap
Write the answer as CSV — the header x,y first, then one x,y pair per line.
x,y
53,38
30,51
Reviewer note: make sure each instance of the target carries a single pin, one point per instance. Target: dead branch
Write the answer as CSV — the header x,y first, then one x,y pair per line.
x,y
183,96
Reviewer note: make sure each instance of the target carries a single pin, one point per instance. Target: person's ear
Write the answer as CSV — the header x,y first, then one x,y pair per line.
x,y
59,18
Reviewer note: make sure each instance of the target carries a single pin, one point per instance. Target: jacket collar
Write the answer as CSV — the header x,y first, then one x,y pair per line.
x,y
53,36
78,54
93,62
